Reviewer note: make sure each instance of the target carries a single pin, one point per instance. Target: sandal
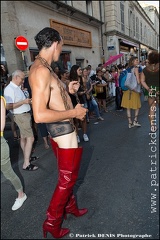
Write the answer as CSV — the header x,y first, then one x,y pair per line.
x,y
136,123
130,125
31,167
33,158
46,146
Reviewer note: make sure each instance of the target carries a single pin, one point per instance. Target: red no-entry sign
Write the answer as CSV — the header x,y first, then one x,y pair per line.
x,y
21,43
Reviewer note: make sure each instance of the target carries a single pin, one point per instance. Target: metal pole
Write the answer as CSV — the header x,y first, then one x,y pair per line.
x,y
24,66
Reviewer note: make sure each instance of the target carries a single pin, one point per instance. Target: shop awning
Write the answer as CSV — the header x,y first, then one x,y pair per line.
x,y
129,43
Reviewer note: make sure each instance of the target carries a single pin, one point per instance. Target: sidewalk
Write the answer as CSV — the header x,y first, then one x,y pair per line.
x,y
115,186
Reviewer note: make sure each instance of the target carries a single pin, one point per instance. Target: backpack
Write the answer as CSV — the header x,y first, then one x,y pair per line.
x,y
122,79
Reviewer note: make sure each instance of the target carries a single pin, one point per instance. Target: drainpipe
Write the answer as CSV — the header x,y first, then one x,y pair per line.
x,y
100,7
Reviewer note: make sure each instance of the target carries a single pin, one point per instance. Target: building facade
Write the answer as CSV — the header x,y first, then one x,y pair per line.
x,y
73,19
130,30
92,30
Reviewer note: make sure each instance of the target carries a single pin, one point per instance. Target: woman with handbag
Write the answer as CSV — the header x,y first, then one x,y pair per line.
x,y
150,81
131,99
79,97
101,89
92,103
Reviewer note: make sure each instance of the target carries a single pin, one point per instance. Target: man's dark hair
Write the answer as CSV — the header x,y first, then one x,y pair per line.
x,y
46,37
154,57
98,69
29,67
119,66
126,65
63,71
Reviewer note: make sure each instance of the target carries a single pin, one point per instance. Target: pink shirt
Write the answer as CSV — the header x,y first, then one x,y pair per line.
x,y
115,76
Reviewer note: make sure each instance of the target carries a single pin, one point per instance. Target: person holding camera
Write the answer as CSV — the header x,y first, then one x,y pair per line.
x,y
101,84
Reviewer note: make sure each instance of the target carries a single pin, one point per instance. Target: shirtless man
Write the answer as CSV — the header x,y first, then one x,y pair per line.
x,y
52,105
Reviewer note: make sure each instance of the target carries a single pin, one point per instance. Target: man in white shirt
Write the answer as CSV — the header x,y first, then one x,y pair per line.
x,y
142,64
19,105
91,71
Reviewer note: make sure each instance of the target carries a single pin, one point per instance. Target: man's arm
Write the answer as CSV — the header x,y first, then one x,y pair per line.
x,y
143,82
137,74
39,81
10,106
10,98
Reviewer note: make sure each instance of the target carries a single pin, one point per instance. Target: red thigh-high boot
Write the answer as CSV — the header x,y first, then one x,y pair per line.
x,y
72,204
54,146
72,208
68,166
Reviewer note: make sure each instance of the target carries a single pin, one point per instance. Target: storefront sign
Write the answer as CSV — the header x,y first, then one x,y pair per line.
x,y
111,47
72,35
124,48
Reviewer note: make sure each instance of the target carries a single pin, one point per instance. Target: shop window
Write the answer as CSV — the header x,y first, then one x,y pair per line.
x,y
122,15
33,54
145,34
137,28
149,37
89,8
4,63
141,30
130,23
157,42
80,62
134,31
63,62
69,3
4,68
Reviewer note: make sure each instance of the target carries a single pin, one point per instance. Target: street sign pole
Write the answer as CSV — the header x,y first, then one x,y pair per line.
x,y
24,65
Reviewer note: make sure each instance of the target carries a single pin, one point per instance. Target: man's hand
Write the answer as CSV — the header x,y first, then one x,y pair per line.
x,y
11,106
93,83
73,87
27,101
81,112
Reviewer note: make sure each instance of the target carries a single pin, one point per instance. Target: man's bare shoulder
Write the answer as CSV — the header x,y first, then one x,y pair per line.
x,y
39,72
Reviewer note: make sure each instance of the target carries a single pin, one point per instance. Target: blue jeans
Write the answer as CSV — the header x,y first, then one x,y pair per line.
x,y
86,106
93,106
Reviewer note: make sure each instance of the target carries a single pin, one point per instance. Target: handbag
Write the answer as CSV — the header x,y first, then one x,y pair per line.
x,y
99,89
131,82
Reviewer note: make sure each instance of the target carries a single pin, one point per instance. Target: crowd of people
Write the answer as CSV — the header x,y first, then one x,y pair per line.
x,y
61,104
96,86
